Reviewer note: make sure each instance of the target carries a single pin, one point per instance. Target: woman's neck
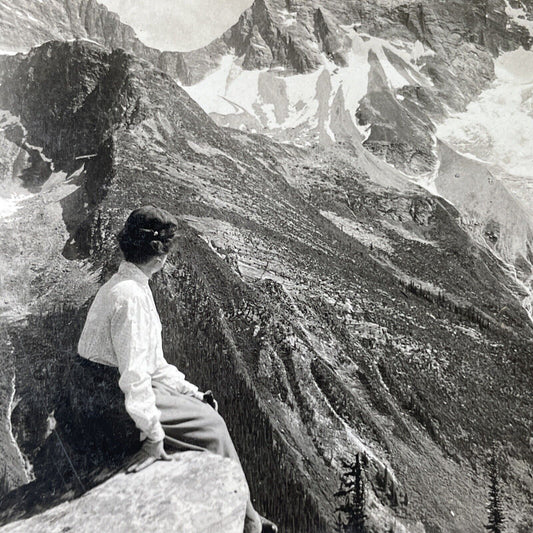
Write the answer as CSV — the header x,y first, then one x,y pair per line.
x,y
146,269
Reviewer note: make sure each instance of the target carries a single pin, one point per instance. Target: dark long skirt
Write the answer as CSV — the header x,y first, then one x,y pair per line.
x,y
191,424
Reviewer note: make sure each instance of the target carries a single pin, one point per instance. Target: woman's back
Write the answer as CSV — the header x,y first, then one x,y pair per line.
x,y
128,287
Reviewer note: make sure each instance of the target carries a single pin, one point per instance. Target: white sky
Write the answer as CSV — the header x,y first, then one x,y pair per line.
x,y
178,25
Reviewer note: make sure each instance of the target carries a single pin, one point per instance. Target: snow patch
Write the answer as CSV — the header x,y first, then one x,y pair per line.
x,y
497,128
210,93
519,16
41,154
275,100
7,119
28,474
419,50
288,18
9,206
84,39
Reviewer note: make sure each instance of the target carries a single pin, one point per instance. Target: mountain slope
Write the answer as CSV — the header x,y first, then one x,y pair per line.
x,y
333,73
333,306
384,74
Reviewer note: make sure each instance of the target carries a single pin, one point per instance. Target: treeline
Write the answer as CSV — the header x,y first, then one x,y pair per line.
x,y
352,496
439,297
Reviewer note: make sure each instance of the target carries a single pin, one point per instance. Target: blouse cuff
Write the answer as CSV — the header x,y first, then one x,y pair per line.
x,y
198,395
156,434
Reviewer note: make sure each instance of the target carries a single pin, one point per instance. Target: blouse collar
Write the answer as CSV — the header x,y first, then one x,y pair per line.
x,y
131,271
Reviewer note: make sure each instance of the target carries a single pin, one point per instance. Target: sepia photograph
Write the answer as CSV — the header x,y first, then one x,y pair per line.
x,y
266,266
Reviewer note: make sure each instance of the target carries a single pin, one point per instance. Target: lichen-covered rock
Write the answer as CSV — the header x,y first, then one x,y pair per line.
x,y
196,493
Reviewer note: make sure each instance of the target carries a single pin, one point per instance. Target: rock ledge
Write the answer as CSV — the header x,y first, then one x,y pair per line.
x,y
196,493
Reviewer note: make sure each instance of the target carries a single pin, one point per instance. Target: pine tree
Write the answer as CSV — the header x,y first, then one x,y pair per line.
x,y
4,482
352,494
494,506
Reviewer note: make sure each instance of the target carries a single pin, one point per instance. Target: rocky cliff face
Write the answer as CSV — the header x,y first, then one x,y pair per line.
x,y
26,24
408,62
381,73
320,72
333,306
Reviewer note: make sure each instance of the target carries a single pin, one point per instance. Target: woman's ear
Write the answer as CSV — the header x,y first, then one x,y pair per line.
x,y
158,247
160,261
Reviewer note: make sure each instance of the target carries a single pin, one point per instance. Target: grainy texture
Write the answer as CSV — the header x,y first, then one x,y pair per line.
x,y
333,306
196,493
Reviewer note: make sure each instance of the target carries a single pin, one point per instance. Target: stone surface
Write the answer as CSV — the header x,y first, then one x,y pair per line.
x,y
196,493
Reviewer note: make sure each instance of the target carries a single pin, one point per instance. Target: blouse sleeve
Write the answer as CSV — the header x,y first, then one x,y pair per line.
x,y
131,345
170,376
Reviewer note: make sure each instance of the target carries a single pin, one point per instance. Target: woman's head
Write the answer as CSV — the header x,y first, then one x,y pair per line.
x,y
149,232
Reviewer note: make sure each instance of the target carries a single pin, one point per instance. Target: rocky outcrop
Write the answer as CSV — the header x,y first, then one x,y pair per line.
x,y
258,54
328,37
28,24
401,136
195,493
286,43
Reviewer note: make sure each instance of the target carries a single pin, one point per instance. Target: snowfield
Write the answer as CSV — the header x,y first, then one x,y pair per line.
x,y
276,100
498,126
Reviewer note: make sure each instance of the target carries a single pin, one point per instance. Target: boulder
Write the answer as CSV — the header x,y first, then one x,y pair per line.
x,y
197,492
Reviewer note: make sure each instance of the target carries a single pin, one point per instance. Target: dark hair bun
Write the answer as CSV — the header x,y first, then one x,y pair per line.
x,y
148,232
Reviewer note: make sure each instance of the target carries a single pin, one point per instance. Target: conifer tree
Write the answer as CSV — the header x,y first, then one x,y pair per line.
x,y
352,496
494,507
4,482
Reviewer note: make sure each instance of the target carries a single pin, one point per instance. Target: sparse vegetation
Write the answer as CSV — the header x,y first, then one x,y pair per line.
x,y
495,523
467,310
5,486
352,496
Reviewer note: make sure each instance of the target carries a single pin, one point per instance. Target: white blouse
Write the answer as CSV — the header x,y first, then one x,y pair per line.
x,y
123,330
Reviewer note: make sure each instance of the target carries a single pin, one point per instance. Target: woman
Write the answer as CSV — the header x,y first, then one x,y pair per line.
x,y
123,330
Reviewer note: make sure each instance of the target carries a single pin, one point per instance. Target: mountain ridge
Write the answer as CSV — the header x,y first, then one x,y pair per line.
x,y
310,298
347,308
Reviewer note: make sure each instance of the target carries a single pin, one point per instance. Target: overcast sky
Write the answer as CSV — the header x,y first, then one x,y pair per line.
x,y
178,25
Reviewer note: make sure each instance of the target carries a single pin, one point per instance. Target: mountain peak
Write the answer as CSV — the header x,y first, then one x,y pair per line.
x,y
328,37
271,24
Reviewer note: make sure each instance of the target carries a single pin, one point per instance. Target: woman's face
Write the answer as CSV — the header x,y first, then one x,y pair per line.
x,y
154,265
160,263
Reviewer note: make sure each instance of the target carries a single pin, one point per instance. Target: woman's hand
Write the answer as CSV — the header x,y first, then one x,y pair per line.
x,y
210,400
150,452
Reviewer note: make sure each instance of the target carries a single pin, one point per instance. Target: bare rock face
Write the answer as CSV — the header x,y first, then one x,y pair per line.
x,y
258,54
28,24
196,493
452,46
328,37
288,45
